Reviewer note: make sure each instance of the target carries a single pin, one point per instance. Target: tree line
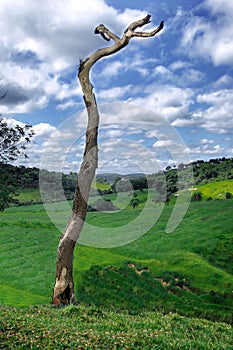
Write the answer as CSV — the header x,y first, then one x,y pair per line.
x,y
15,178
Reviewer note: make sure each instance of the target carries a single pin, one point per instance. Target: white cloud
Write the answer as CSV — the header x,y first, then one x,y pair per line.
x,y
43,129
113,133
169,101
130,62
224,81
178,73
218,116
112,69
40,41
114,94
207,150
68,104
212,39
179,65
206,141
159,144
220,6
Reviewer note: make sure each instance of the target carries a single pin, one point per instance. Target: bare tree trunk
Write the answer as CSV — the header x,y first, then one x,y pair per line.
x,y
63,292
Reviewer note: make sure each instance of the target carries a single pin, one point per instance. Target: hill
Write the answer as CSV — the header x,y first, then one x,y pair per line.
x,y
188,271
215,190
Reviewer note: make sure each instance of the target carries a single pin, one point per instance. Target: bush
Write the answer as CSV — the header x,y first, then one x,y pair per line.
x,y
196,197
228,195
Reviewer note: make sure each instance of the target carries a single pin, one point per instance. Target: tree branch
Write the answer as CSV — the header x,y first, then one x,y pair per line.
x,y
150,34
119,43
139,23
106,33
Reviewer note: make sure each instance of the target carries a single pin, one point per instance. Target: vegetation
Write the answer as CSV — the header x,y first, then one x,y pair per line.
x,y
190,270
88,327
157,292
13,141
164,184
215,190
130,288
218,169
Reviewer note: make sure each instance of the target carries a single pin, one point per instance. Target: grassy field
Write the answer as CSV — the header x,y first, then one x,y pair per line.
x,y
86,327
216,190
155,293
199,251
33,194
29,194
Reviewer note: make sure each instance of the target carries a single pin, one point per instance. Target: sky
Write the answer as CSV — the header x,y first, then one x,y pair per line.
x,y
162,100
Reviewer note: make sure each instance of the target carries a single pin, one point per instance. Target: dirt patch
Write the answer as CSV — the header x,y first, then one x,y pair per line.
x,y
139,272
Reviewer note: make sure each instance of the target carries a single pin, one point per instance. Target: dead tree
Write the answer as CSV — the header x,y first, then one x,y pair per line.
x,y
63,292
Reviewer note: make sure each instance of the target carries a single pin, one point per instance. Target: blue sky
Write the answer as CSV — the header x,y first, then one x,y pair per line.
x,y
163,100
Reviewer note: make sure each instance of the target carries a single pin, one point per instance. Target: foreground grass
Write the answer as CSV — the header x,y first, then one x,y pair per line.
x,y
83,327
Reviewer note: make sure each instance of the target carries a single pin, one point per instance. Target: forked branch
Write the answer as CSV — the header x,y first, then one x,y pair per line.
x,y
119,43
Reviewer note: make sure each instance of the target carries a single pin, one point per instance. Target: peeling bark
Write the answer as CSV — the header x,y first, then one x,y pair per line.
x,y
63,292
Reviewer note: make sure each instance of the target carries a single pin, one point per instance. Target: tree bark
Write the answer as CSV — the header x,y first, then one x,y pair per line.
x,y
63,292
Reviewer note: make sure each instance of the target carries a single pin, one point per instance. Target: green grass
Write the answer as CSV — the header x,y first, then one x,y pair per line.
x,y
159,292
29,194
28,255
123,288
100,186
85,327
215,190
200,249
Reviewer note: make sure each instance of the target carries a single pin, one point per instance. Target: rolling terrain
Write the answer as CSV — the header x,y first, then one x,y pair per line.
x,y
198,252
162,290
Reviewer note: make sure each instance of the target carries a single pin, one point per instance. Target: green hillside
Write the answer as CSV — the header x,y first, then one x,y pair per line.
x,y
28,195
187,271
215,190
162,291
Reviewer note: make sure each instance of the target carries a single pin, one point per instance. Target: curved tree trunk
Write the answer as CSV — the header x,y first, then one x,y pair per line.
x,y
63,292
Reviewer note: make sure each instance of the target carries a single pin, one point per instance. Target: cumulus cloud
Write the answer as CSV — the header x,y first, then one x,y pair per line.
x,y
218,116
43,129
46,43
114,94
37,146
206,141
211,40
206,150
167,100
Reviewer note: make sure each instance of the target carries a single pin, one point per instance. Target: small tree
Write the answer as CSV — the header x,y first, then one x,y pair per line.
x,y
228,195
134,203
197,197
13,143
63,292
